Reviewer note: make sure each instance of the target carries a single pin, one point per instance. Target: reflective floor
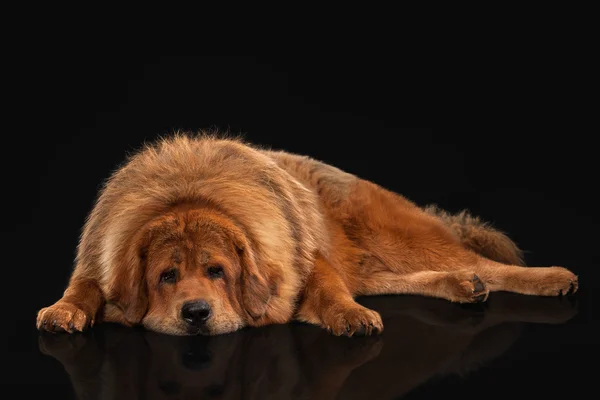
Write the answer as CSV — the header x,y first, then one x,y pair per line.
x,y
513,347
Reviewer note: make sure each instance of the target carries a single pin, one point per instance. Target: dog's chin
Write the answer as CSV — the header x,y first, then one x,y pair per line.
x,y
175,328
201,330
213,329
180,328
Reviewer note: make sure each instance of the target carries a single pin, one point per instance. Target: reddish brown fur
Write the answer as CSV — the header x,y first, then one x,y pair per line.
x,y
297,239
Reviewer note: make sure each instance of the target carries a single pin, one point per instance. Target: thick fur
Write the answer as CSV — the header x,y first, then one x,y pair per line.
x,y
294,237
480,237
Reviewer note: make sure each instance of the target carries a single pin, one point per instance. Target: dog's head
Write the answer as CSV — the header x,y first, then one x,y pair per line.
x,y
192,271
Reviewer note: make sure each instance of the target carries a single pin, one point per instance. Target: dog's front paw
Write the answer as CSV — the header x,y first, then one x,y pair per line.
x,y
63,316
354,321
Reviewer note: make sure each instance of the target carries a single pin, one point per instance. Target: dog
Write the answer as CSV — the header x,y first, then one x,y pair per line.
x,y
200,234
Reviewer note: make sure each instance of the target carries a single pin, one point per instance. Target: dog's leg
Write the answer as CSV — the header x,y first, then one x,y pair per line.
x,y
473,284
327,302
75,311
462,286
536,281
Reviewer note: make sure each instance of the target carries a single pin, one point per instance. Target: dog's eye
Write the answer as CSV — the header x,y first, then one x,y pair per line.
x,y
215,272
169,276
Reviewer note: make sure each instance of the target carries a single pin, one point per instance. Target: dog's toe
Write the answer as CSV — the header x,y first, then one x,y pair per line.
x,y
355,321
62,317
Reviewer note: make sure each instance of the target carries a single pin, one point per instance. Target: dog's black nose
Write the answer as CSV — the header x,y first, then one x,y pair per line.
x,y
195,312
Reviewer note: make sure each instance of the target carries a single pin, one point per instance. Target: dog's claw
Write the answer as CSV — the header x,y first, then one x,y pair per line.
x,y
357,321
63,317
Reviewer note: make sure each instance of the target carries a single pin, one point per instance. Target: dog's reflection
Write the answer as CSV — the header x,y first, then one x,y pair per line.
x,y
423,338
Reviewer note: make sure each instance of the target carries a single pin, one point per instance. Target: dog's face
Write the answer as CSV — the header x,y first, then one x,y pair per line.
x,y
199,275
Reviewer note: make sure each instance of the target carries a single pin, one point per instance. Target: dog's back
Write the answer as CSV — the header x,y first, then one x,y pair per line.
x,y
334,185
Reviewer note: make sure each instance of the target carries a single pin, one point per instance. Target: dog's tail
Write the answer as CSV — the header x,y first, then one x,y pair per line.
x,y
480,237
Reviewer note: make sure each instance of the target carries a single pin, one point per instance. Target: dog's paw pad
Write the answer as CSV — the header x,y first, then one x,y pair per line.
x,y
470,288
477,284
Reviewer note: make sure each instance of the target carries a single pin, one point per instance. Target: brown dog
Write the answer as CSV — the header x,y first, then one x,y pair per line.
x,y
205,235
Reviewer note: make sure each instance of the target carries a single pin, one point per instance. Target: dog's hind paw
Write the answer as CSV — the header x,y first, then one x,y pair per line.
x,y
467,287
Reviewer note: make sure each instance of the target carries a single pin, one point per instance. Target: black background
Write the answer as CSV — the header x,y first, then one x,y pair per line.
x,y
518,156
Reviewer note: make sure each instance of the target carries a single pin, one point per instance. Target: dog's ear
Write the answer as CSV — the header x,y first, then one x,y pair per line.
x,y
128,290
255,288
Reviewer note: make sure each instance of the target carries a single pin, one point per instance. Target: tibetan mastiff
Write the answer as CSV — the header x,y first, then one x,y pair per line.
x,y
197,234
